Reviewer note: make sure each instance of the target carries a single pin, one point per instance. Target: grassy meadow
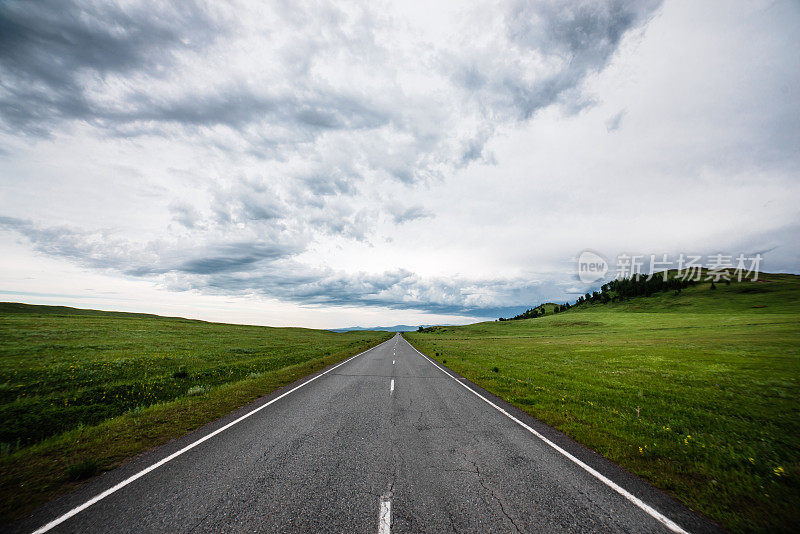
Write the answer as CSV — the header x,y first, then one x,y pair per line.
x,y
81,390
697,392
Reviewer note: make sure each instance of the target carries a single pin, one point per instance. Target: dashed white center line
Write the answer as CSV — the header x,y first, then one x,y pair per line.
x,y
392,362
391,387
385,517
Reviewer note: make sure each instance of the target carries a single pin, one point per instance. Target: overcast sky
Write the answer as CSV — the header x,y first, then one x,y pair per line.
x,y
333,164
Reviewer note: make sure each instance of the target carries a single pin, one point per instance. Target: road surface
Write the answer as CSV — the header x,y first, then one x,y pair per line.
x,y
387,441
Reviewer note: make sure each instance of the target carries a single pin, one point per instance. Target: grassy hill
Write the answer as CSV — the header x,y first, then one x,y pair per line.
x,y
698,392
38,309
70,379
772,293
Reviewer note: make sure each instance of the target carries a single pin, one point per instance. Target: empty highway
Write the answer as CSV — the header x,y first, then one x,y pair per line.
x,y
387,441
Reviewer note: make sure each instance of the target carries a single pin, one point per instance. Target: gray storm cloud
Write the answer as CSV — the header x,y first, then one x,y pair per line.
x,y
299,119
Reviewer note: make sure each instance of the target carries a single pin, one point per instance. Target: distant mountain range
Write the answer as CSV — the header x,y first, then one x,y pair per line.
x,y
395,328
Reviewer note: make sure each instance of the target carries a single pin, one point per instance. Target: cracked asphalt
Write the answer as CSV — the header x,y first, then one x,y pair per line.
x,y
321,458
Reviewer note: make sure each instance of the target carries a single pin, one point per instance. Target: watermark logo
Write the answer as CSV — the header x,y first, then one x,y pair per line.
x,y
714,268
591,267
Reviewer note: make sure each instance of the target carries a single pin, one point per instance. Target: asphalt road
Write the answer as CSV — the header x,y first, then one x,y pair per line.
x,y
387,440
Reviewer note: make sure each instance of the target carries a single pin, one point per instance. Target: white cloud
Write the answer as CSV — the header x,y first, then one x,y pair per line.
x,y
401,157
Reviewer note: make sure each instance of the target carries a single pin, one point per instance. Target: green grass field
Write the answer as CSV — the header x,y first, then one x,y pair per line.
x,y
81,390
699,393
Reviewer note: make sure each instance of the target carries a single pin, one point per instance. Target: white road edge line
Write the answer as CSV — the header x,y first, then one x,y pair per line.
x,y
652,512
391,387
78,509
385,517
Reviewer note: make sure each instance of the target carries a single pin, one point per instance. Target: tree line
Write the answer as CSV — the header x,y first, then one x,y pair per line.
x,y
616,290
538,311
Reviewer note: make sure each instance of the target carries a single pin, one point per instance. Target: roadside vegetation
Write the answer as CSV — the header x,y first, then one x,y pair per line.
x,y
695,389
81,390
